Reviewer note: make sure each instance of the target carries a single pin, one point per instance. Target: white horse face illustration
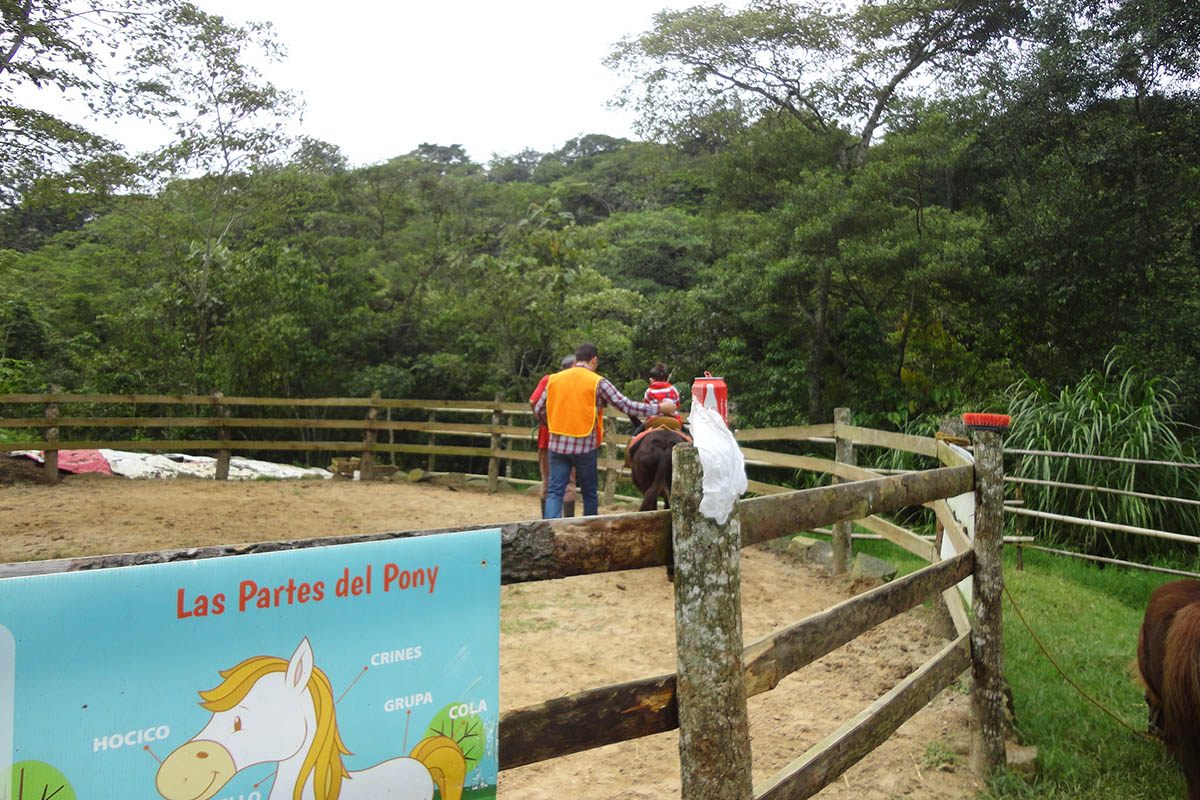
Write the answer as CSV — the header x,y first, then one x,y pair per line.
x,y
271,723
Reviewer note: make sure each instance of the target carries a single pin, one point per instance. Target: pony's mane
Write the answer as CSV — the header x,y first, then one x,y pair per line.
x,y
324,758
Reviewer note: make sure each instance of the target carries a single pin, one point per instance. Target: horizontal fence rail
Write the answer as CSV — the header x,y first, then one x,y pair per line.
x,y
503,441
550,549
1103,490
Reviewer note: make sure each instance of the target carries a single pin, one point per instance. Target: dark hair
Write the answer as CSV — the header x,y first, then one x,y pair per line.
x,y
659,372
586,352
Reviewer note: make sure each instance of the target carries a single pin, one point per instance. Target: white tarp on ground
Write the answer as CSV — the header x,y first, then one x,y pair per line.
x,y
175,465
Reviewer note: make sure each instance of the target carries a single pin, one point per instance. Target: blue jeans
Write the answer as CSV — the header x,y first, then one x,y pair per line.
x,y
586,478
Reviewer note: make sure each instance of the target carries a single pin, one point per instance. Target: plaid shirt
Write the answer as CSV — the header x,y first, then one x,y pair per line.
x,y
606,395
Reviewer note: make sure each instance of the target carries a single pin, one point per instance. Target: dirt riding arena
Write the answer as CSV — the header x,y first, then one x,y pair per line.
x,y
557,637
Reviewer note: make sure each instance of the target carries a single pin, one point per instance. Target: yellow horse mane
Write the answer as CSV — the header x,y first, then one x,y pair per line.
x,y
324,758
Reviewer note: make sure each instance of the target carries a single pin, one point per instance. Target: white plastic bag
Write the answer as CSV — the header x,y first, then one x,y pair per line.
x,y
721,458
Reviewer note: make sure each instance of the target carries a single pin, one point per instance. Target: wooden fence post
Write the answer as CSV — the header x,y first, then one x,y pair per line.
x,y
611,476
1019,525
987,640
50,457
843,547
391,437
497,443
222,411
714,728
432,441
366,466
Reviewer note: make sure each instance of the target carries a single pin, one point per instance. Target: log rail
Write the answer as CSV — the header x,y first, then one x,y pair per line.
x,y
548,549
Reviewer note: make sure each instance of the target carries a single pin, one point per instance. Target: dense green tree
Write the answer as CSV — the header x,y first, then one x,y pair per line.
x,y
129,57
837,72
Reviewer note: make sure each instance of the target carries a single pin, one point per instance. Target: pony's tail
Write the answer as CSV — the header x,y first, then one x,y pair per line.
x,y
444,759
1181,679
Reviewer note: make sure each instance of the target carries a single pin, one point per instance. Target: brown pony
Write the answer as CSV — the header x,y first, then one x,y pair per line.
x,y
649,459
1169,661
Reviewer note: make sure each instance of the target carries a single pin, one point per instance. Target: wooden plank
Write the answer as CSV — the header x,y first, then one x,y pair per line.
x,y
952,527
828,759
1112,526
901,537
793,433
758,487
587,719
777,655
301,423
531,550
322,402
765,518
810,463
214,444
518,455
953,599
592,718
896,441
951,457
1117,561
163,399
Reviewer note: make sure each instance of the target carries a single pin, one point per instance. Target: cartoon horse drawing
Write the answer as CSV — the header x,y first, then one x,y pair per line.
x,y
273,710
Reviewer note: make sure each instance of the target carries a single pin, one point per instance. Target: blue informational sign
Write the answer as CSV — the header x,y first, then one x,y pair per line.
x,y
365,670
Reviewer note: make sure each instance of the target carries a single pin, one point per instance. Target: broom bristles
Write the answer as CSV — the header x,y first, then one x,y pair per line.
x,y
987,421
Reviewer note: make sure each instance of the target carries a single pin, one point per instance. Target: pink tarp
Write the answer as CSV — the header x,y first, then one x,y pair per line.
x,y
76,460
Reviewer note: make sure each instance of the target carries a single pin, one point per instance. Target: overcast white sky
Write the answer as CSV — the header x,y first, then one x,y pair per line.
x,y
496,76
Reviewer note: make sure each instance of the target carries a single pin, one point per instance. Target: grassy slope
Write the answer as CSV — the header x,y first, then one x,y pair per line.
x,y
1088,620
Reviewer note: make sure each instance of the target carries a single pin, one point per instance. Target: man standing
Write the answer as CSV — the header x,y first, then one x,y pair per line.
x,y
572,408
543,443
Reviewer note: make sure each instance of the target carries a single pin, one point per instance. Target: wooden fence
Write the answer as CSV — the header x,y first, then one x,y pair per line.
x,y
239,425
547,549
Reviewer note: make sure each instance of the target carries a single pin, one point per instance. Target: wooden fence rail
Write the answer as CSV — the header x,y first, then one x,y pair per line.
x,y
497,442
548,549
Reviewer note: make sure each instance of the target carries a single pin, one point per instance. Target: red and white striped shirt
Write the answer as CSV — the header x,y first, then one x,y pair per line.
x,y
660,391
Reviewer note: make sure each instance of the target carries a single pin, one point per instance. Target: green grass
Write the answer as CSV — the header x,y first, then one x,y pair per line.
x,y
1088,618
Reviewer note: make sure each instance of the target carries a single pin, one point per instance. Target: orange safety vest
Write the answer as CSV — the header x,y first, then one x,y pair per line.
x,y
571,403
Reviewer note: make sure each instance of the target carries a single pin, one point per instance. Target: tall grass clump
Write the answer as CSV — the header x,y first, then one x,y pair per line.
x,y
1109,413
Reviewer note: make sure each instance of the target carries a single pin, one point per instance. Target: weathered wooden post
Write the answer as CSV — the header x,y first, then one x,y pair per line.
x,y
221,411
714,728
50,456
610,455
497,442
391,437
366,467
432,441
843,548
1019,529
987,633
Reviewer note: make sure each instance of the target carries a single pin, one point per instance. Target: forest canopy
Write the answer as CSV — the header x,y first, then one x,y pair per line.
x,y
903,208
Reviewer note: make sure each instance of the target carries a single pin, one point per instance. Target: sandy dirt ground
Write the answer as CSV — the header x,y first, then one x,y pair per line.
x,y
557,637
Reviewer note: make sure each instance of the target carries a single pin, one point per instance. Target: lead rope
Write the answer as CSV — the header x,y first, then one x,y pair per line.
x,y
1078,688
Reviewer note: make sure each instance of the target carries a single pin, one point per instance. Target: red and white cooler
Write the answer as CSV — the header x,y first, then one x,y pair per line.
x,y
711,393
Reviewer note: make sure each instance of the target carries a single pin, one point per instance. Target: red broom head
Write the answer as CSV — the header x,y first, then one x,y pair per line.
x,y
987,422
